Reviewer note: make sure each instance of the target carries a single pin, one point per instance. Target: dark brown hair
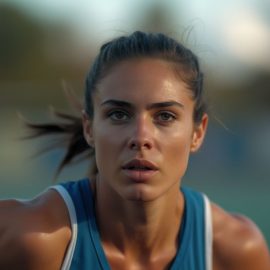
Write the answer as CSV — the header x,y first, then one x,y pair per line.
x,y
136,45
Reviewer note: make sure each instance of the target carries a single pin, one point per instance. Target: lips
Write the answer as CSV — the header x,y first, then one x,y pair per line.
x,y
140,164
140,170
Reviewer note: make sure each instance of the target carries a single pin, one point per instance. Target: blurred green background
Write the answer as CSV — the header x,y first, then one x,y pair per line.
x,y
43,43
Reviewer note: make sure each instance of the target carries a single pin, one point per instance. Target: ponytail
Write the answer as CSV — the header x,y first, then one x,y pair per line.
x,y
68,130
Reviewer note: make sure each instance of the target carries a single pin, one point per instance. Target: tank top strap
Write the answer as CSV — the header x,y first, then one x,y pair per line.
x,y
87,251
191,253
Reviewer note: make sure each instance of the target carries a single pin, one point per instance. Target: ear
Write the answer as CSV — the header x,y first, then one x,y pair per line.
x,y
87,129
199,134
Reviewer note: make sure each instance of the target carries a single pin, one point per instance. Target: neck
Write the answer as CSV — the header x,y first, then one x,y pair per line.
x,y
137,226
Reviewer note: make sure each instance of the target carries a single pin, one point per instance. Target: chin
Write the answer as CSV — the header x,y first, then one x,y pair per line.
x,y
140,194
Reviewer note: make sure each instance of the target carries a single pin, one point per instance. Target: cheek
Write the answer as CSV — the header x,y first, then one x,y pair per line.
x,y
180,149
177,149
107,146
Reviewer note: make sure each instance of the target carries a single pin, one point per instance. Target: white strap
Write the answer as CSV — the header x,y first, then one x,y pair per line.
x,y
73,221
208,233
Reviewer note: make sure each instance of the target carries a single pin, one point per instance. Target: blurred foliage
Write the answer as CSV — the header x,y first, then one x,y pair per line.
x,y
21,47
30,49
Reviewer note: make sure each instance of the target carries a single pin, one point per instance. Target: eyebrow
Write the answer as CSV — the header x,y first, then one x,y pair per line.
x,y
121,103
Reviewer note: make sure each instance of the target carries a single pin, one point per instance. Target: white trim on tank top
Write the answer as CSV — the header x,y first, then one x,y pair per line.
x,y
208,233
73,221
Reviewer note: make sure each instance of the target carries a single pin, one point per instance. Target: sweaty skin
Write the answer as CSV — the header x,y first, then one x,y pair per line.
x,y
27,243
142,112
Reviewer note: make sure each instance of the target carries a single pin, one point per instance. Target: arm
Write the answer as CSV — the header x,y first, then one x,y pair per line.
x,y
11,252
238,243
33,234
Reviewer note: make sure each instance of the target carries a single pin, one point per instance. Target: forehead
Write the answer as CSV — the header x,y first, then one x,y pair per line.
x,y
135,79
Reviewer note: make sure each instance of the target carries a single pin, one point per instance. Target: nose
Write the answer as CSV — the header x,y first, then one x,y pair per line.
x,y
141,135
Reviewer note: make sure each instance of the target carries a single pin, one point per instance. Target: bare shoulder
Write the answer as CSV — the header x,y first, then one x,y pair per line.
x,y
35,233
237,243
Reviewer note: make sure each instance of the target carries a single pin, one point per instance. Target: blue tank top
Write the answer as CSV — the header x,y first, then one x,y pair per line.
x,y
85,250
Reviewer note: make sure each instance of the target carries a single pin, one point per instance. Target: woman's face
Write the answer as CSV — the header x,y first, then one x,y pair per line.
x,y
142,130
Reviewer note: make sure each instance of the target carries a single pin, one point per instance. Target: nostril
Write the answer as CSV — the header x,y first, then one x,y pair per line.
x,y
137,145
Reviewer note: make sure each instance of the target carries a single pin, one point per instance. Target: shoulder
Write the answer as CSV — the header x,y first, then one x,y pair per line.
x,y
36,233
237,242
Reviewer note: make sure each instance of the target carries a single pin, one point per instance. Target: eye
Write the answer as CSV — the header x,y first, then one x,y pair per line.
x,y
118,115
165,117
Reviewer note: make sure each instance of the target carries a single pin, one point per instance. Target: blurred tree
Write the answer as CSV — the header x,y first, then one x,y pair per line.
x,y
21,45
33,50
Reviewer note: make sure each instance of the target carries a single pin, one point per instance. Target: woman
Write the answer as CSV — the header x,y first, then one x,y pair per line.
x,y
144,114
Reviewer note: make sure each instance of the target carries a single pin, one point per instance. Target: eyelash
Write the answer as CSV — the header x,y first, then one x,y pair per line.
x,y
171,116
113,113
125,116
